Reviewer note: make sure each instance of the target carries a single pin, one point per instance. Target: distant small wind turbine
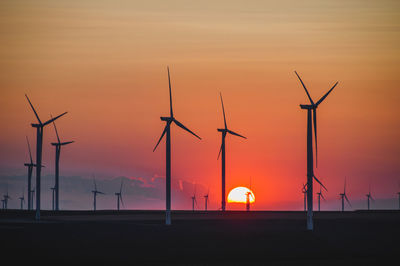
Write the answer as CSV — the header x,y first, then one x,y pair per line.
x,y
206,199
30,166
369,196
167,130
304,191
22,199
119,195
319,198
248,195
58,145
52,198
194,201
95,192
311,112
39,145
6,198
224,132
344,196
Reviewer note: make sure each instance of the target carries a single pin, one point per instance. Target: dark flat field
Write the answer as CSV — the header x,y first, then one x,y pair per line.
x,y
201,238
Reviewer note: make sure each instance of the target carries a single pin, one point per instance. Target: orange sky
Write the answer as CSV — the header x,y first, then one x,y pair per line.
x,y
105,63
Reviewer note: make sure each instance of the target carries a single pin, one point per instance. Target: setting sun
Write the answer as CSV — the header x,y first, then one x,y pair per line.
x,y
238,195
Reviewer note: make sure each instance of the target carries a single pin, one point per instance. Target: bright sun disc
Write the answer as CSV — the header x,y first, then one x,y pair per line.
x,y
238,195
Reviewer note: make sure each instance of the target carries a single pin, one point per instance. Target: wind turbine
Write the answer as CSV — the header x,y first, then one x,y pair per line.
x,y
119,195
58,145
206,199
311,112
95,192
344,196
39,141
52,197
6,198
194,198
22,199
30,166
224,132
304,191
248,195
369,196
319,198
167,130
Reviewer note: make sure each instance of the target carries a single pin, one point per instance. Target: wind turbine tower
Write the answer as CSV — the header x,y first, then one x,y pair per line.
x,y
119,195
58,146
206,200
52,198
39,145
22,199
369,197
311,120
344,196
319,198
167,131
224,131
30,166
194,201
95,192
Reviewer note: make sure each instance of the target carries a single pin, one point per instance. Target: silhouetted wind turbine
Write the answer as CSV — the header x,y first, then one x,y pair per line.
x,y
22,199
206,199
369,196
30,166
344,196
319,198
311,112
248,195
194,201
304,191
167,130
224,132
58,145
119,195
95,192
39,141
6,198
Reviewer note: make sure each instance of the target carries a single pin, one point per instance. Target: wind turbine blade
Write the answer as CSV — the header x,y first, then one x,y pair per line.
x,y
170,94
316,179
322,196
219,153
53,119
326,94
29,148
304,86
315,136
162,135
54,124
347,200
122,201
236,134
67,142
40,122
223,110
179,124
